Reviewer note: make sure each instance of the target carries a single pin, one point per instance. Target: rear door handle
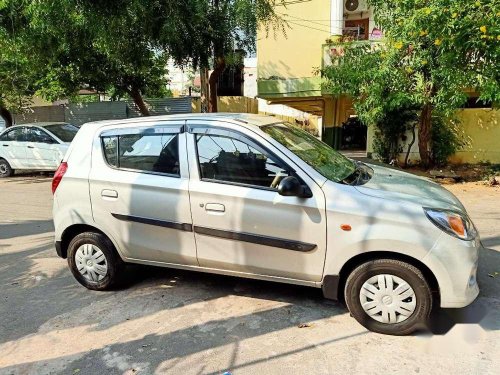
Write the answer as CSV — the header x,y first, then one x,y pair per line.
x,y
215,208
31,146
106,193
5,145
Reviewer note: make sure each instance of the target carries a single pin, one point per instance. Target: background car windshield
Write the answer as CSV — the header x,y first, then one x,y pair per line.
x,y
330,163
65,132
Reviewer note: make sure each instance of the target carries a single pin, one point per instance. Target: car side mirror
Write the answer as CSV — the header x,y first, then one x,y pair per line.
x,y
291,187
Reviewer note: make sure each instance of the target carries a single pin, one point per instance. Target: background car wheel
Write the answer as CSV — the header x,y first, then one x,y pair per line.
x,y
5,169
388,296
94,261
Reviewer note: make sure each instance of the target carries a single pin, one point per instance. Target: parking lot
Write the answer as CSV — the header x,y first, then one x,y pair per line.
x,y
178,322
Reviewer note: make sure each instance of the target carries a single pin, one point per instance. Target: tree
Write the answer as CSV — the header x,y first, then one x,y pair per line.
x,y
104,46
74,45
17,69
121,46
209,32
434,51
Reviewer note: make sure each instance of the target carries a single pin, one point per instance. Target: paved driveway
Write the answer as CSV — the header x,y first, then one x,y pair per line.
x,y
175,322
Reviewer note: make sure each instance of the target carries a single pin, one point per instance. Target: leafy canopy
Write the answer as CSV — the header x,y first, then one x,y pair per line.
x,y
434,52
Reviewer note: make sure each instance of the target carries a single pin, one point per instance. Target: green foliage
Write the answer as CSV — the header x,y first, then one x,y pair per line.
x,y
389,131
17,69
446,140
54,48
433,53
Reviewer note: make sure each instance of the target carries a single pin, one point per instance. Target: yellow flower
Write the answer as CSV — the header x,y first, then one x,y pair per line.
x,y
454,15
483,29
478,3
424,62
484,36
398,45
423,32
427,11
438,42
409,70
498,37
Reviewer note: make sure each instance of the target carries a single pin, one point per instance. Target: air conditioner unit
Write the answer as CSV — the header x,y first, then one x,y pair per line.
x,y
355,6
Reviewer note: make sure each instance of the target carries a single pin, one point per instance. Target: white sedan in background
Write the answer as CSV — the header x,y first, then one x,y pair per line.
x,y
38,146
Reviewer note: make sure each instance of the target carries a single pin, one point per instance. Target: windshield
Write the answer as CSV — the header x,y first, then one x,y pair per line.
x,y
65,132
319,155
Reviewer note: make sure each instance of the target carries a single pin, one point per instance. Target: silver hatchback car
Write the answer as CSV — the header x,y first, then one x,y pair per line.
x,y
252,196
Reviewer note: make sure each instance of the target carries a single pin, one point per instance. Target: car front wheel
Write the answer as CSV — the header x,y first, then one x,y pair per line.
x,y
388,296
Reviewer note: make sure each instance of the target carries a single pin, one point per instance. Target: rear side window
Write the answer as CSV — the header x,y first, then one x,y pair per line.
x,y
157,153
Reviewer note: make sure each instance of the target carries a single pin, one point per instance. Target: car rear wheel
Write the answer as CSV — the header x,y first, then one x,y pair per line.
x,y
388,296
94,261
5,169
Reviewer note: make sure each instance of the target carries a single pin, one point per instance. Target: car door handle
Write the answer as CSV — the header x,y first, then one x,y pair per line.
x,y
106,193
31,146
215,208
5,145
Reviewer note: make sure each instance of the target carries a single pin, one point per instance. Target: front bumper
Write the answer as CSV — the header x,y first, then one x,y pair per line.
x,y
454,264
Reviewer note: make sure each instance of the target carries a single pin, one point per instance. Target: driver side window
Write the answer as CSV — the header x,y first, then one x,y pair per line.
x,y
234,160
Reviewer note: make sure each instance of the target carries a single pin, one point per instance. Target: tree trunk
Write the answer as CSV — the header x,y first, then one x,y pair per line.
x,y
220,65
7,116
407,157
139,102
424,134
205,90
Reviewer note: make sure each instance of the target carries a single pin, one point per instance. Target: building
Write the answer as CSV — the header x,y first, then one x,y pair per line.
x,y
287,74
288,65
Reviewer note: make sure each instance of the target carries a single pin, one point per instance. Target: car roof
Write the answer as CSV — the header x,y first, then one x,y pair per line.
x,y
41,124
243,119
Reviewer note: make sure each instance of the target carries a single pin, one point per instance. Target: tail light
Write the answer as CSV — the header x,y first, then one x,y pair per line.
x,y
61,170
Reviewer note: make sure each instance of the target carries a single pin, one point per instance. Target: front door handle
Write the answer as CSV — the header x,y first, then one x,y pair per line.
x,y
31,146
5,145
215,208
106,193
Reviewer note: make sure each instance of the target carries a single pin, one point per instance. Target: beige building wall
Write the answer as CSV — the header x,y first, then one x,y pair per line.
x,y
232,104
299,52
481,129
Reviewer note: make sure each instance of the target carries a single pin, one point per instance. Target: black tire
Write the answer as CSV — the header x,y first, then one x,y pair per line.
x,y
5,169
115,265
410,274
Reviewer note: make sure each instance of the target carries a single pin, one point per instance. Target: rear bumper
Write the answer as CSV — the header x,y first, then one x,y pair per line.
x,y
454,264
59,252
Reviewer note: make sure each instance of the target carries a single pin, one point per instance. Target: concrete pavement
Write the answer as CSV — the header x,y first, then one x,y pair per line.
x,y
175,322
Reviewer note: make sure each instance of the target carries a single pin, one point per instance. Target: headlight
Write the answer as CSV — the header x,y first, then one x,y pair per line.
x,y
452,222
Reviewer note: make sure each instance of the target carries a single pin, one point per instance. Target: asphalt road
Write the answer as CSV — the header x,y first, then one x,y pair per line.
x,y
168,321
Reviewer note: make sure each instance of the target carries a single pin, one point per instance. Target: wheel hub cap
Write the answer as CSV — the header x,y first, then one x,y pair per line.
x,y
91,262
387,299
3,169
